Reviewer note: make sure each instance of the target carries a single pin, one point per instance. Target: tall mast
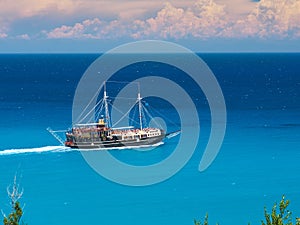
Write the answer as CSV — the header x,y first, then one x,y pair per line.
x,y
105,97
140,107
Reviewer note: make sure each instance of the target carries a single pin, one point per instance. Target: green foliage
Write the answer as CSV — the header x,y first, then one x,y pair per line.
x,y
197,222
15,216
281,217
14,193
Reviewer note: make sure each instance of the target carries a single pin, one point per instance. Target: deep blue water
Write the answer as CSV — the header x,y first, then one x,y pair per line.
x,y
257,164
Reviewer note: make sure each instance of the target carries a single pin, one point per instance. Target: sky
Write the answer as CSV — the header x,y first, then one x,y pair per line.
x,y
35,26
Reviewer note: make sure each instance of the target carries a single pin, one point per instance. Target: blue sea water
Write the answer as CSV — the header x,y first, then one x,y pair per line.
x,y
257,163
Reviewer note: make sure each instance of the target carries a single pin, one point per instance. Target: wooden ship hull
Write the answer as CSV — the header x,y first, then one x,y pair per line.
x,y
114,143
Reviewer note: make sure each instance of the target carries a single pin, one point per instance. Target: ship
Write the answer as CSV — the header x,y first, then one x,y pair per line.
x,y
100,135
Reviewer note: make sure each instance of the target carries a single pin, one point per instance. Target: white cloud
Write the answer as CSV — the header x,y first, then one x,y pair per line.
x,y
23,36
86,29
3,29
237,8
3,35
279,19
204,19
139,19
90,29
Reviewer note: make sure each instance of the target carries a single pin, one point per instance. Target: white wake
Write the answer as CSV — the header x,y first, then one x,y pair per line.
x,y
35,150
67,149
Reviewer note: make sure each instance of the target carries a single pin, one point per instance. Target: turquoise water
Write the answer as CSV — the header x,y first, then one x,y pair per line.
x,y
257,164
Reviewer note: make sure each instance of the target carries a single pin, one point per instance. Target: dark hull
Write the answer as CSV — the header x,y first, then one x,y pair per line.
x,y
116,143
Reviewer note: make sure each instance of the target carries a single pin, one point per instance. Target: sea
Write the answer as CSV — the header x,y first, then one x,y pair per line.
x,y
257,163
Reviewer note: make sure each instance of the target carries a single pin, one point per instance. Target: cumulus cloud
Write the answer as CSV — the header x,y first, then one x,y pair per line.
x,y
279,19
204,19
138,19
89,29
207,19
237,8
79,30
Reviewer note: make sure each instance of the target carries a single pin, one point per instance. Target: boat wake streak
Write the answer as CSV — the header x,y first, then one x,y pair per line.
x,y
35,150
60,148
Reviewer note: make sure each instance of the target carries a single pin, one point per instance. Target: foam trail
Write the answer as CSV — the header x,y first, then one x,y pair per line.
x,y
67,149
35,150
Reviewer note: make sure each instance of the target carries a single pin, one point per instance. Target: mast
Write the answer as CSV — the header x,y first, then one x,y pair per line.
x,y
105,97
140,107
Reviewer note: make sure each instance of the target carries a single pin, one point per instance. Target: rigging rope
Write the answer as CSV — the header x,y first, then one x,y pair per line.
x,y
90,112
96,94
124,115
